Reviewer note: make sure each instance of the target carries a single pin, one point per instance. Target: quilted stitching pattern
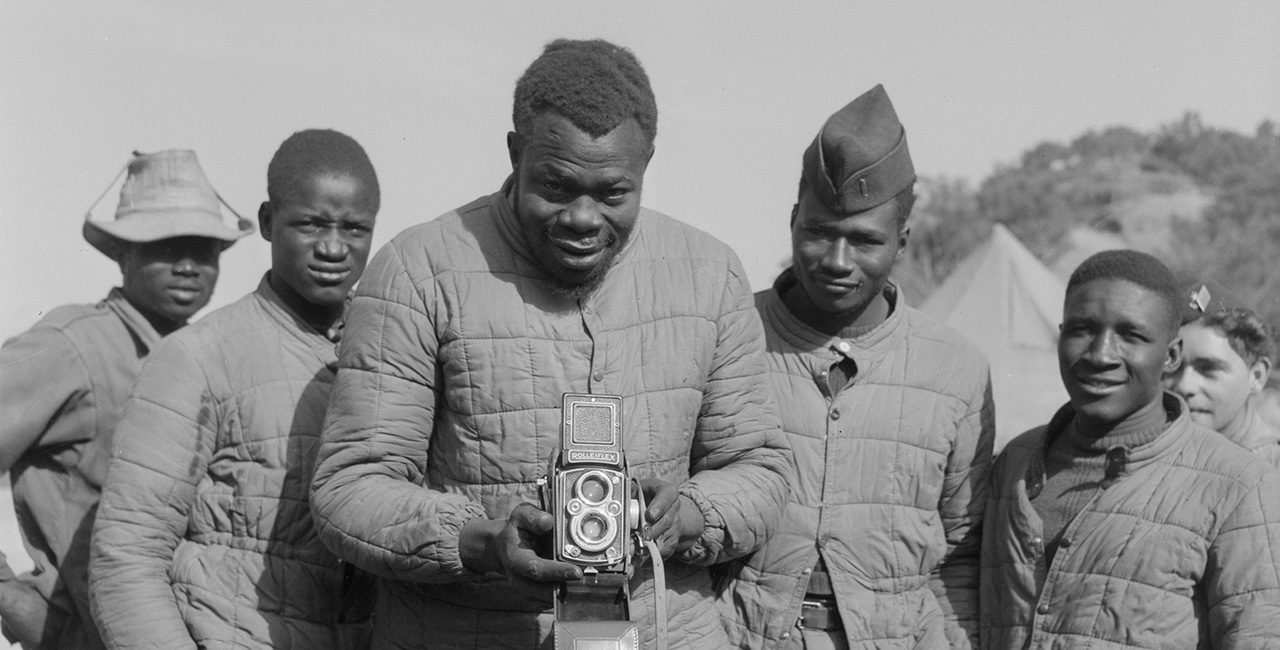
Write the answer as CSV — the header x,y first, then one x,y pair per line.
x,y
446,409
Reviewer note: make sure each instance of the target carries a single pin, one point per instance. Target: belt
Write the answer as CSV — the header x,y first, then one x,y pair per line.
x,y
819,615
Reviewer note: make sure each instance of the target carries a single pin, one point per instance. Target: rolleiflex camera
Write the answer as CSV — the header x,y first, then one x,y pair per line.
x,y
591,496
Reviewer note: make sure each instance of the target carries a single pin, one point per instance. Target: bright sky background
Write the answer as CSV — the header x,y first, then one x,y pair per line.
x,y
742,87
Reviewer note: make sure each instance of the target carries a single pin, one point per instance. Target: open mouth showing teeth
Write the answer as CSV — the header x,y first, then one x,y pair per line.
x,y
1098,384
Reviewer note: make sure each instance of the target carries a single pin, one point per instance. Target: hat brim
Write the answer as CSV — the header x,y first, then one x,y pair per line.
x,y
149,227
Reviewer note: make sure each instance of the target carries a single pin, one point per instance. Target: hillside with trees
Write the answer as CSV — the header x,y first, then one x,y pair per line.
x,y
1204,200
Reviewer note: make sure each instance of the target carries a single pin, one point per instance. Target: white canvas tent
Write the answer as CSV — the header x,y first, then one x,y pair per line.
x,y
1009,305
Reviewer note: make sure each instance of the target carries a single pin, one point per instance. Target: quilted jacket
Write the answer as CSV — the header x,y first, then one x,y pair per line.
x,y
447,409
891,478
204,535
63,384
1256,434
1181,550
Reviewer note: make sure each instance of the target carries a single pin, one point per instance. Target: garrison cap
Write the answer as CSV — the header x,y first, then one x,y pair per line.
x,y
1206,296
859,159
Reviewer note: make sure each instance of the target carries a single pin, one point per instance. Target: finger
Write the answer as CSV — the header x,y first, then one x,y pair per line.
x,y
661,503
530,518
526,564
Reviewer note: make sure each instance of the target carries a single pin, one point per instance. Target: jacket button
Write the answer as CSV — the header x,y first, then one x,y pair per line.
x,y
1042,609
843,346
835,414
806,572
598,375
1064,543
1036,541
786,635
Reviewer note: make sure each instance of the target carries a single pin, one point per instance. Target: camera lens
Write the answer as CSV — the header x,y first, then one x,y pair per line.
x,y
593,488
593,531
593,528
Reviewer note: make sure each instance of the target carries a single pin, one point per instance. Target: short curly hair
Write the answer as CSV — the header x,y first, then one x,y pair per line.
x,y
1245,332
316,151
594,84
1139,268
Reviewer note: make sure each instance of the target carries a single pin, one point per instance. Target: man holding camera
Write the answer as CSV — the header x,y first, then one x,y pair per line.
x,y
889,417
467,332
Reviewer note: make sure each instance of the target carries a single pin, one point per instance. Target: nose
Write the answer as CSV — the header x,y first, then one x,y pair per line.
x,y
1185,382
332,246
1102,349
838,261
186,266
581,216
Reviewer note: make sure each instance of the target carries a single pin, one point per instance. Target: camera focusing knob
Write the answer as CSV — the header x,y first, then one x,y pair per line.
x,y
633,514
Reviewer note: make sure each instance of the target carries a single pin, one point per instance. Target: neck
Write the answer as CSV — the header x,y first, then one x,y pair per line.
x,y
162,325
1238,427
1137,427
844,324
320,317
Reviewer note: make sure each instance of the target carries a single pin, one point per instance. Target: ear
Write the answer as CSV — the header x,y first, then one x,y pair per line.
x,y
514,144
795,210
1258,374
903,235
265,217
1173,359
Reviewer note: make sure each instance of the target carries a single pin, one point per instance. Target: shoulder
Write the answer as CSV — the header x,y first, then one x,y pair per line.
x,y
669,236
935,350
455,239
69,327
1011,463
72,317
926,330
1207,451
224,329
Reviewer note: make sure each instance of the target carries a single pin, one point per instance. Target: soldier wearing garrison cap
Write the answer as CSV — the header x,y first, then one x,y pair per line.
x,y
888,413
1228,351
65,381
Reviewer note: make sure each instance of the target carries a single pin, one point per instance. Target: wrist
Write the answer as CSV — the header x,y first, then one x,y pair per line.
x,y
692,522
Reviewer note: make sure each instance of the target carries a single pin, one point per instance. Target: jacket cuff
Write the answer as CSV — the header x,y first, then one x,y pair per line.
x,y
710,544
450,554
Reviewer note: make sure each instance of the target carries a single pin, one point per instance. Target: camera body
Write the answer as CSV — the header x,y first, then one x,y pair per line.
x,y
589,493
588,490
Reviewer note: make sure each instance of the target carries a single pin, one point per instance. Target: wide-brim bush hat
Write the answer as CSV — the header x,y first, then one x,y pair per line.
x,y
165,195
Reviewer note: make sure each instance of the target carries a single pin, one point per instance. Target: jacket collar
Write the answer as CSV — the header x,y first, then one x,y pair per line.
x,y
1120,460
862,349
137,324
292,324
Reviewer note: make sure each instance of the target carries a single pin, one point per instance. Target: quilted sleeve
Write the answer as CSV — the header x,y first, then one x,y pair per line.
x,y
965,487
162,447
739,459
43,378
368,500
1242,579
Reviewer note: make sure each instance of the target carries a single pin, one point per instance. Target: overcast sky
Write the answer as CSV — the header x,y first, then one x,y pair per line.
x,y
742,87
